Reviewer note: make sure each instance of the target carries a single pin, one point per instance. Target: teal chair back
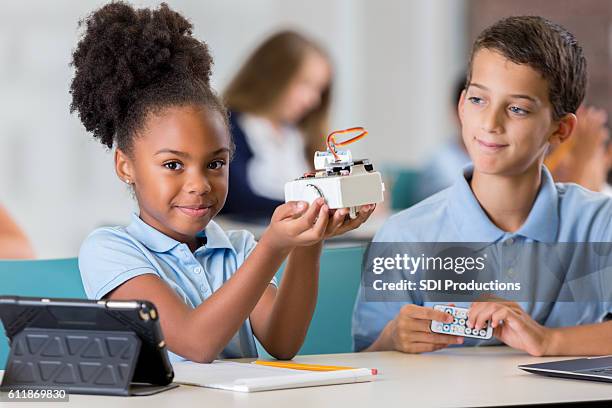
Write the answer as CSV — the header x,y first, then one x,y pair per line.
x,y
405,191
339,278
56,278
405,187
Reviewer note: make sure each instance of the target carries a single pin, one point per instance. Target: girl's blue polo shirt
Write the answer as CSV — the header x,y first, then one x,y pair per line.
x,y
112,255
561,213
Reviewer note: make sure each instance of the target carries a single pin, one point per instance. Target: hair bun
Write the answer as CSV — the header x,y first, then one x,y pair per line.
x,y
124,52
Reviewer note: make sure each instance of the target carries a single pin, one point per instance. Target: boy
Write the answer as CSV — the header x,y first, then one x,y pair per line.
x,y
526,80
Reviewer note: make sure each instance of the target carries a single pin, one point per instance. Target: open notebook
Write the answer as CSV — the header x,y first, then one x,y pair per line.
x,y
246,377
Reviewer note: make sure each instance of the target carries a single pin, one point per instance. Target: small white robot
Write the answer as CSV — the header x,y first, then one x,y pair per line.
x,y
342,182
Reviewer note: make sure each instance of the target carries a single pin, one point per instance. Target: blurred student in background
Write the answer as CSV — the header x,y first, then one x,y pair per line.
x,y
587,159
13,242
279,104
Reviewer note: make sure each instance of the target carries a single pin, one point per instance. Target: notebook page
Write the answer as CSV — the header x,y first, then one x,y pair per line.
x,y
246,377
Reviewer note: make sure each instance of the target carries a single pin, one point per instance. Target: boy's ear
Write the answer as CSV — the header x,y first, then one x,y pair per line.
x,y
123,167
565,128
460,106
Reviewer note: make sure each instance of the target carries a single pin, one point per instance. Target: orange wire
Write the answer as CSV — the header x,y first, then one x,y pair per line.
x,y
331,139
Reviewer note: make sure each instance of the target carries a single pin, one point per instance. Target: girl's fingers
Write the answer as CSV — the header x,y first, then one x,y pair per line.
x,y
292,209
307,220
364,214
335,222
314,211
337,219
321,223
317,231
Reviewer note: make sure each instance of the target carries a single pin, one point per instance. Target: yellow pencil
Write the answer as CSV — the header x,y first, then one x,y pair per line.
x,y
308,367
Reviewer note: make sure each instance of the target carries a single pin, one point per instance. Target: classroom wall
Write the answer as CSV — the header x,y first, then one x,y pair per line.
x,y
394,60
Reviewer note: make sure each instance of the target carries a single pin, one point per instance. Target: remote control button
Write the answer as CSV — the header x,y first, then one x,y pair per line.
x,y
462,314
449,311
468,330
455,320
446,327
462,322
483,333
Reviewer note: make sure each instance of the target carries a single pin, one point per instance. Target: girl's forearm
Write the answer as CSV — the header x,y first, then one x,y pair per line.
x,y
214,322
294,304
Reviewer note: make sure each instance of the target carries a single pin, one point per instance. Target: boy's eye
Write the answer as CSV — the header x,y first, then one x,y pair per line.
x,y
518,111
216,165
174,165
475,100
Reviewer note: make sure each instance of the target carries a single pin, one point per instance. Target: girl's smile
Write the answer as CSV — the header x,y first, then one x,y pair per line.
x,y
195,211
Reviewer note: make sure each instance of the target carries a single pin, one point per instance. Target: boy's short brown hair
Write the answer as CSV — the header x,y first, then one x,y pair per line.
x,y
546,47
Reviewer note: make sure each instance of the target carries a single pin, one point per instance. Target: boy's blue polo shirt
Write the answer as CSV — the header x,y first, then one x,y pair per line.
x,y
112,255
560,213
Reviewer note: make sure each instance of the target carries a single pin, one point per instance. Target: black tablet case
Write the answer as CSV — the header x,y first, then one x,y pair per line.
x,y
84,347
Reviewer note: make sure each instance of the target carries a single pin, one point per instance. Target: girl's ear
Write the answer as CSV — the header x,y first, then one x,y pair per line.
x,y
565,128
460,106
123,167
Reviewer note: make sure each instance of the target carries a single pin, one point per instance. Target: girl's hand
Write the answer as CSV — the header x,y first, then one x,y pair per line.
x,y
512,325
339,223
297,224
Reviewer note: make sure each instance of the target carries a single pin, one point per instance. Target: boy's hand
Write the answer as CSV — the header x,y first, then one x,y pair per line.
x,y
512,325
410,331
339,223
297,224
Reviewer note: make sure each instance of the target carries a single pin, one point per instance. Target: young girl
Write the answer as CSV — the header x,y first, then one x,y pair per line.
x,y
279,102
141,85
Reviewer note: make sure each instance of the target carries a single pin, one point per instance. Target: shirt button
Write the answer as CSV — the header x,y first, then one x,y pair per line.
x,y
510,273
509,241
197,269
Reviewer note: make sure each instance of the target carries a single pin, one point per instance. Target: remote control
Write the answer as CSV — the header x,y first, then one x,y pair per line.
x,y
459,325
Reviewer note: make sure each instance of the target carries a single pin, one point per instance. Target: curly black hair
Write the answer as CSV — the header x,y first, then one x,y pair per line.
x,y
131,62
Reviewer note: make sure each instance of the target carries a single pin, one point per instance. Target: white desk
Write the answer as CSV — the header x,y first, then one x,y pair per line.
x,y
484,376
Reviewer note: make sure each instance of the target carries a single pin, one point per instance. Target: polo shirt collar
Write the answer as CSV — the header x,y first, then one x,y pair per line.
x,y
216,237
472,222
157,241
542,224
475,226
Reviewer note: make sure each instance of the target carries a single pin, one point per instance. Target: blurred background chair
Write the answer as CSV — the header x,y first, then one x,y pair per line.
x,y
403,184
56,278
